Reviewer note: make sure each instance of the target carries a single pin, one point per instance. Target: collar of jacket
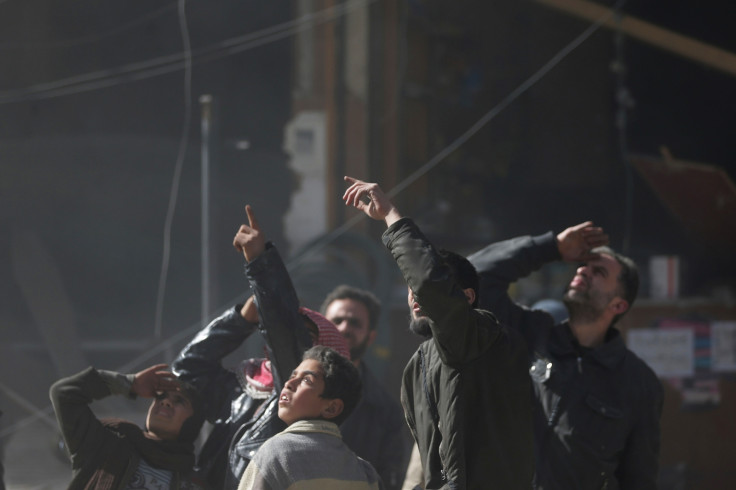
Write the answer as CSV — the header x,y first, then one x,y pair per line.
x,y
609,354
323,426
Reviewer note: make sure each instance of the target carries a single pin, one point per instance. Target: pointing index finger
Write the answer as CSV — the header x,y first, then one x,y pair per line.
x,y
252,222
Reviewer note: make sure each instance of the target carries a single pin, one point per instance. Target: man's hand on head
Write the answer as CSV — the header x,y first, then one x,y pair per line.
x,y
249,239
575,243
370,198
153,380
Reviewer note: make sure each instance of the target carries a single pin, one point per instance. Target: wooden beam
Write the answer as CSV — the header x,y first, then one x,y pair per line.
x,y
673,42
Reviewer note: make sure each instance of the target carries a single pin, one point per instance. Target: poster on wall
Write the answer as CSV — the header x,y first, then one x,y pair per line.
x,y
669,352
723,347
689,355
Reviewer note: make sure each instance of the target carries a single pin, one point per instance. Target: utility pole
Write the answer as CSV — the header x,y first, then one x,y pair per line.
x,y
206,103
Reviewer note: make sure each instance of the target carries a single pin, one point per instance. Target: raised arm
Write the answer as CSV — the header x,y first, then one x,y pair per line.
x,y
502,263
275,298
200,362
461,333
83,433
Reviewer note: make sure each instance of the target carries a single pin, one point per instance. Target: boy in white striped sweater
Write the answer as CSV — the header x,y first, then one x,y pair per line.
x,y
309,454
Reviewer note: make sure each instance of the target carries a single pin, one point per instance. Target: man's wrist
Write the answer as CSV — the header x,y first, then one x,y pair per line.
x,y
392,217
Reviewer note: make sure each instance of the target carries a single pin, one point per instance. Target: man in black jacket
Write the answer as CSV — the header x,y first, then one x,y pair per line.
x,y
597,404
374,429
466,392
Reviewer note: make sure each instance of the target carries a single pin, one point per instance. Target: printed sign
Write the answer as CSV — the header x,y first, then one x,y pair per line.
x,y
669,352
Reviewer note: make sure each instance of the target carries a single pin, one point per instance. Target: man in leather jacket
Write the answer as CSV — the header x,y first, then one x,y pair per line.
x,y
597,404
243,405
466,392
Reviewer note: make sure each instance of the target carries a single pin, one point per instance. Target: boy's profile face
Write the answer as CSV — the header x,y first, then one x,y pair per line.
x,y
167,413
301,397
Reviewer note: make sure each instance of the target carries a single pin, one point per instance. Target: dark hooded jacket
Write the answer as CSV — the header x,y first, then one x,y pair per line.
x,y
466,392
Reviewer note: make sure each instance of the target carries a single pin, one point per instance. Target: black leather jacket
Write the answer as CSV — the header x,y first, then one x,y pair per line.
x,y
597,410
466,392
243,423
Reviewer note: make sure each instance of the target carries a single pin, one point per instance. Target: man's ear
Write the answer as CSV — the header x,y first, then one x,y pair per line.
x,y
470,294
333,408
619,305
372,336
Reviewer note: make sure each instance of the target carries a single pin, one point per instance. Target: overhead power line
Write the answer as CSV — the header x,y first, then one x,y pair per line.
x,y
171,63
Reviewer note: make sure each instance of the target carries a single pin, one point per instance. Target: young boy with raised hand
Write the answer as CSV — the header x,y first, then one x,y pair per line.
x,y
321,392
116,454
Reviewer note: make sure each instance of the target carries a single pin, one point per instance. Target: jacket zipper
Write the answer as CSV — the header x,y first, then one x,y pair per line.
x,y
552,419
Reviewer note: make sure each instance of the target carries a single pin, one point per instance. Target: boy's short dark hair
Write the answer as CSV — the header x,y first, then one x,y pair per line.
x,y
342,379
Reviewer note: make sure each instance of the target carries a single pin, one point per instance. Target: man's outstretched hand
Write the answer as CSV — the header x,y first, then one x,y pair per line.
x,y
370,198
575,242
249,240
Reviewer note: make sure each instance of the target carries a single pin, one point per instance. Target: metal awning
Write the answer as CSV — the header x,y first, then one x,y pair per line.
x,y
701,196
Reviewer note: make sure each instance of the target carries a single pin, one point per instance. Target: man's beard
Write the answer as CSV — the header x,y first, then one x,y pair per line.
x,y
421,326
582,306
357,351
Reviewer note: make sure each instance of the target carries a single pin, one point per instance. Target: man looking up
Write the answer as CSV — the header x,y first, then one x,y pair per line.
x,y
113,453
466,392
597,404
374,429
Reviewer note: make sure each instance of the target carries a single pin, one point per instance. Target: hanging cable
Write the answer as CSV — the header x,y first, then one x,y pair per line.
x,y
183,142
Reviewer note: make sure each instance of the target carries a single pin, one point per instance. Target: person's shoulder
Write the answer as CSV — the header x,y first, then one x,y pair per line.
x,y
648,381
275,447
370,472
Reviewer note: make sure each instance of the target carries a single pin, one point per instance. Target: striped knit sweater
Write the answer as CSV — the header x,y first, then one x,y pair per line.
x,y
309,455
